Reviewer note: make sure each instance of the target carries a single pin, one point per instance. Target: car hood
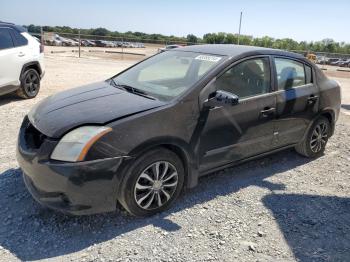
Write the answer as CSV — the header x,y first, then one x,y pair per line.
x,y
96,103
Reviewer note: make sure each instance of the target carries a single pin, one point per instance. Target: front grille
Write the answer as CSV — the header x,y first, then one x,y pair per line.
x,y
33,137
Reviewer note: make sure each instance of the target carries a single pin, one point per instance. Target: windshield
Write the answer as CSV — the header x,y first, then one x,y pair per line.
x,y
169,74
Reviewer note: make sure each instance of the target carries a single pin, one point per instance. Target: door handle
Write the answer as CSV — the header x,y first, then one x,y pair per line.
x,y
20,54
312,99
268,111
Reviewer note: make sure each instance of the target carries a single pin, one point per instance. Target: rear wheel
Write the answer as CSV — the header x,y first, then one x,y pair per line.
x,y
152,183
316,139
30,84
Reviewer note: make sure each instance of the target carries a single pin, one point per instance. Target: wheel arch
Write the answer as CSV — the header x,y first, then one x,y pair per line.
x,y
180,148
327,113
32,65
330,115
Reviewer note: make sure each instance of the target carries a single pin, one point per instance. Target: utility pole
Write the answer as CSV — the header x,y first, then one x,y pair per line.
x,y
79,42
122,48
41,36
239,29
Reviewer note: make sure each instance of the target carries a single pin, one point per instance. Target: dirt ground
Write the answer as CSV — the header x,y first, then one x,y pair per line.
x,y
280,208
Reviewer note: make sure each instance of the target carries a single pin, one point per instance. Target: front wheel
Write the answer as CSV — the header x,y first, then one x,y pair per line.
x,y
152,183
314,144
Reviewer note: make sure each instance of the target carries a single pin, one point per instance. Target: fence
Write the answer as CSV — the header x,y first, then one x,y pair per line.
x,y
81,44
108,46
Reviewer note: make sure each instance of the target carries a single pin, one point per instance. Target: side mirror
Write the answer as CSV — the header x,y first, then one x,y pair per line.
x,y
220,98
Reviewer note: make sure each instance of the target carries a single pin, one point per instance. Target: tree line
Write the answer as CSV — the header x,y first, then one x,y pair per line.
x,y
326,45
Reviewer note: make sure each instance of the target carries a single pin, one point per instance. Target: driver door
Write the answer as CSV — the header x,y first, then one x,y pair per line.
x,y
232,133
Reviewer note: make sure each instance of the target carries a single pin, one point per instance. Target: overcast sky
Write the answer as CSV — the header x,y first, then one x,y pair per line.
x,y
309,20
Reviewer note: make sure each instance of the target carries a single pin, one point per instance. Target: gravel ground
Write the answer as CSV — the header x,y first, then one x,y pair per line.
x,y
280,208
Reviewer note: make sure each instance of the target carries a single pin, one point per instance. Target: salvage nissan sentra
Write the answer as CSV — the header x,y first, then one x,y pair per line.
x,y
142,136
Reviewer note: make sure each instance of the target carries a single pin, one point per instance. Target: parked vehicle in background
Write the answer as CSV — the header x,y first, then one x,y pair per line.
x,y
332,61
21,61
52,39
321,60
344,63
128,44
57,40
68,42
103,43
100,43
168,47
115,43
84,150
85,42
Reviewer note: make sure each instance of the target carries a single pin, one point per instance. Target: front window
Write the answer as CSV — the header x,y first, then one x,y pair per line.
x,y
246,79
169,74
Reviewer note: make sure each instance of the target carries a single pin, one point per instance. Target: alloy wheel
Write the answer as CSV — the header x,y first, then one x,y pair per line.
x,y
31,83
319,137
156,185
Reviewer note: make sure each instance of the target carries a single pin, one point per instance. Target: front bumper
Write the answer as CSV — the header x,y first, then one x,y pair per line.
x,y
76,188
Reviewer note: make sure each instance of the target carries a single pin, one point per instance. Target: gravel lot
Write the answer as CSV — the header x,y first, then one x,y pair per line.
x,y
280,208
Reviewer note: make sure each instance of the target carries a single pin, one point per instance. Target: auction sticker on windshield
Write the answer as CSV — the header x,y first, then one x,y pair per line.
x,y
208,58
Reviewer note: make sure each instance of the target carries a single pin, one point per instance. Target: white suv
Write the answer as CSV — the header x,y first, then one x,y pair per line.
x,y
21,61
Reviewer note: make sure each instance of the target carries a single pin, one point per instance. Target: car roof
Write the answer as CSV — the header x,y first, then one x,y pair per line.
x,y
236,50
18,28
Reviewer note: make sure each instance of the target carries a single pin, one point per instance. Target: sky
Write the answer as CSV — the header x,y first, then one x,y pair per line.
x,y
309,20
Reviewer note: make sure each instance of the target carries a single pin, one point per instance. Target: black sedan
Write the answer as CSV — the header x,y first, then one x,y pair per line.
x,y
142,136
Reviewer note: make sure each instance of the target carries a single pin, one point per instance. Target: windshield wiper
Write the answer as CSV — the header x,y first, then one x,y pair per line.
x,y
131,89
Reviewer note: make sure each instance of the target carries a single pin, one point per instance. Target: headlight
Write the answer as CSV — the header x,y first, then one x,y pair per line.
x,y
74,145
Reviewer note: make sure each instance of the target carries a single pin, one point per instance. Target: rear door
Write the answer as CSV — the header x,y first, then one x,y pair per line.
x,y
232,133
297,100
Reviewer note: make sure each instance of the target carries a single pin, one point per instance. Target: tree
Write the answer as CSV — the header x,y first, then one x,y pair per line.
x,y
100,31
33,28
220,38
192,38
209,38
245,40
231,39
330,45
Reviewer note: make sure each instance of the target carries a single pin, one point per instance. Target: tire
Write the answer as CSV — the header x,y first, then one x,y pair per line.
x,y
314,144
30,84
142,197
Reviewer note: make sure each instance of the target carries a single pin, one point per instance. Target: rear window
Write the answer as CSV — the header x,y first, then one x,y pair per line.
x,y
5,39
20,40
290,73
